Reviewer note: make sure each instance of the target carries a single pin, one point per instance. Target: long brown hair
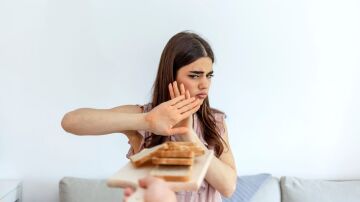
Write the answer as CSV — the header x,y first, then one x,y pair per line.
x,y
183,49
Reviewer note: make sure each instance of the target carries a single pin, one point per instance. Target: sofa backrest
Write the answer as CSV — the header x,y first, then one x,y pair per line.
x,y
263,186
73,189
287,189
302,190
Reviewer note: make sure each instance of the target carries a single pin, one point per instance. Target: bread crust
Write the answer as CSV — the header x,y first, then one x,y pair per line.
x,y
175,154
146,154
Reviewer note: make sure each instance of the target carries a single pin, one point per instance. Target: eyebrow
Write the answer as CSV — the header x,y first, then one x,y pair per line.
x,y
201,72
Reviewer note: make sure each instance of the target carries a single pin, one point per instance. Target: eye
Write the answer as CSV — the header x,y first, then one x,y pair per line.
x,y
193,76
210,76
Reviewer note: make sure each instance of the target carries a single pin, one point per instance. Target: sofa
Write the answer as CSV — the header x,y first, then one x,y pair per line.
x,y
285,189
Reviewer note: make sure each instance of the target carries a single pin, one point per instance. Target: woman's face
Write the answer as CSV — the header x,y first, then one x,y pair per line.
x,y
196,77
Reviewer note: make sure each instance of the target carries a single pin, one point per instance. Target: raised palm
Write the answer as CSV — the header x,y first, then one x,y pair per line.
x,y
175,92
170,117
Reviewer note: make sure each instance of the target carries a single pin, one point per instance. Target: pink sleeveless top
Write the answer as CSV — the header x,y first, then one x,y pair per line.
x,y
206,192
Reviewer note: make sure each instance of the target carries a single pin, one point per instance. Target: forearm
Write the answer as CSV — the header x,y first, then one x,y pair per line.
x,y
220,175
223,181
87,121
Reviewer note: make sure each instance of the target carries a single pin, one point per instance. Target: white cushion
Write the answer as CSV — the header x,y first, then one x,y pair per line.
x,y
301,190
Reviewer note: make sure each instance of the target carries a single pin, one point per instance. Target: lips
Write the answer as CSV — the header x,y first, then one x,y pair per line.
x,y
201,95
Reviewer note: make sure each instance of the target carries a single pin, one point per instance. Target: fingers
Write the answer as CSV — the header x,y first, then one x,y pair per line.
x,y
189,105
176,100
190,109
171,90
147,181
128,191
175,92
176,89
183,103
187,94
182,89
144,182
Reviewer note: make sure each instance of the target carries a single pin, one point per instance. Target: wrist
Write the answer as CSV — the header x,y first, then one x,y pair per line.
x,y
184,138
190,136
144,121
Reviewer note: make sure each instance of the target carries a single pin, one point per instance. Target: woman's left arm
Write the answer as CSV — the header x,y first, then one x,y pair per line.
x,y
221,173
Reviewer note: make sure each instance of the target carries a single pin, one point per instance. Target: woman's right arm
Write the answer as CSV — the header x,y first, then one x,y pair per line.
x,y
160,120
87,121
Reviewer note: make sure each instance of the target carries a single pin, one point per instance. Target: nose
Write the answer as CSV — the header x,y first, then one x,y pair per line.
x,y
204,83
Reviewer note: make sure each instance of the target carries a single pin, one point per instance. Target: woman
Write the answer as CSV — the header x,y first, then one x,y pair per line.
x,y
179,111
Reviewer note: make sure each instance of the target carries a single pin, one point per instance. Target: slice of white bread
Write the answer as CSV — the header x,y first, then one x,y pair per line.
x,y
175,154
173,161
179,143
186,146
172,173
146,154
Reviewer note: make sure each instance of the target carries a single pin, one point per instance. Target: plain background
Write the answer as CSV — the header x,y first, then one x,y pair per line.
x,y
286,74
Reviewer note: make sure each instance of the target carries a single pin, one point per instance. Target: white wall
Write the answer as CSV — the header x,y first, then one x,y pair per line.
x,y
287,75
